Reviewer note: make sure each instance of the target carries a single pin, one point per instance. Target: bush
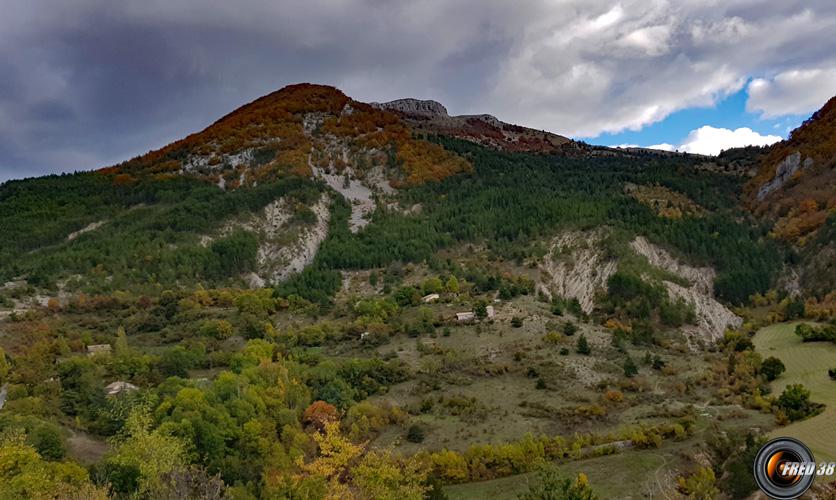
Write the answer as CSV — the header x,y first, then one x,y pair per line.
x,y
415,434
658,362
795,403
832,373
569,329
816,333
564,352
47,439
516,322
550,485
541,383
630,368
583,346
771,368
614,396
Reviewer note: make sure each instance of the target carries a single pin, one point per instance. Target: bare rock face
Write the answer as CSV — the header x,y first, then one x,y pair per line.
x,y
701,278
277,260
712,317
574,268
410,106
284,247
783,172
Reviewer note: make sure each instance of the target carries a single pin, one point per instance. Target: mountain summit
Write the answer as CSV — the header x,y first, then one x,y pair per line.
x,y
431,117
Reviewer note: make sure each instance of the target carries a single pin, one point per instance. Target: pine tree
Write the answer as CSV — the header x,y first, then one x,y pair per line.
x,y
583,346
630,368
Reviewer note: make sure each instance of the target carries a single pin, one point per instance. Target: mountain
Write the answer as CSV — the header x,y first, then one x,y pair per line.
x,y
793,190
316,297
794,182
297,130
261,194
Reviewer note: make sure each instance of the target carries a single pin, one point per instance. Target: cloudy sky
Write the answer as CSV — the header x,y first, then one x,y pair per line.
x,y
87,83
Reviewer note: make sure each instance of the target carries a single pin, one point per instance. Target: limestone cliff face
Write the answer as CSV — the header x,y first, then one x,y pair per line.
x,y
410,106
284,247
712,317
783,173
487,130
575,268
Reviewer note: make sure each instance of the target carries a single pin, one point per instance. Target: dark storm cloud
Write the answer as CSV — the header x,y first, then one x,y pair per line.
x,y
91,82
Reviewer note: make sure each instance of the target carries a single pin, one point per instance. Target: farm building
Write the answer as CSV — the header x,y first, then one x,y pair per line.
x,y
465,316
95,349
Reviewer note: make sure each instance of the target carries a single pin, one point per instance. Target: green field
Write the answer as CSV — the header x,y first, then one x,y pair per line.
x,y
807,363
613,476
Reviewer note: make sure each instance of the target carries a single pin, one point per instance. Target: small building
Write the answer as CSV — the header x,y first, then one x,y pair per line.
x,y
118,387
490,311
95,349
465,316
430,298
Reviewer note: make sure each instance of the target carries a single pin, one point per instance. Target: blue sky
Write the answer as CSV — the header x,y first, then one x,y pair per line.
x,y
729,113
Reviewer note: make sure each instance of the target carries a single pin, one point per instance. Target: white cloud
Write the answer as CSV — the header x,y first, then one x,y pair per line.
x,y
664,147
654,58
708,140
792,92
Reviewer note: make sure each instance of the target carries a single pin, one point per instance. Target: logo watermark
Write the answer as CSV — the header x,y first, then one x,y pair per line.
x,y
785,468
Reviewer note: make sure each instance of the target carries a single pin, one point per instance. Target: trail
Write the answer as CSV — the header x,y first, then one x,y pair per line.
x,y
656,477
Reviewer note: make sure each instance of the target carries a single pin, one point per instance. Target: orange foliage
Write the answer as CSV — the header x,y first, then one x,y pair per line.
x,y
802,205
319,413
275,122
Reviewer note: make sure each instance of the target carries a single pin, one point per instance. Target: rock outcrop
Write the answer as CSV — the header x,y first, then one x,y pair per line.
x,y
432,117
783,173
575,268
412,106
712,317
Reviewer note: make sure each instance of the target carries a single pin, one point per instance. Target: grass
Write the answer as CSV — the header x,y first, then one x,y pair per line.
x,y
631,474
613,476
807,363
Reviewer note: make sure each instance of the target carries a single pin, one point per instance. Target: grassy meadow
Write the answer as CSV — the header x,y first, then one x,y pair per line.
x,y
807,363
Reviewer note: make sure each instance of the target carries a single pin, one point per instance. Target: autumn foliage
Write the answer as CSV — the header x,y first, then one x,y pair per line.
x,y
285,132
803,204
319,413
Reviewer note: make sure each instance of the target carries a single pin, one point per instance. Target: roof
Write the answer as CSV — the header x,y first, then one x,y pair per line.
x,y
118,387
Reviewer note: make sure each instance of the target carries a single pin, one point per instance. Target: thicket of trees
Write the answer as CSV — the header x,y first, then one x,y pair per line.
x,y
151,226
512,199
150,233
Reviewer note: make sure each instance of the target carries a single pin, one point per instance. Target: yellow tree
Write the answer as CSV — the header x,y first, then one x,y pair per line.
x,y
336,453
380,475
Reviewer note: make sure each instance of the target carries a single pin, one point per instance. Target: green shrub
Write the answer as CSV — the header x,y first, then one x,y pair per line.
x,y
415,433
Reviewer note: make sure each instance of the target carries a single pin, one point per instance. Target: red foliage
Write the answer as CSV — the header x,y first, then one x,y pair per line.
x,y
319,413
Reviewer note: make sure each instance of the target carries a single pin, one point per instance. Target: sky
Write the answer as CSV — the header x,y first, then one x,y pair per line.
x,y
89,83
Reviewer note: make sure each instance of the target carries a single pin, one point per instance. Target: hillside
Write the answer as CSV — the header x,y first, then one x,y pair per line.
x,y
316,297
793,191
